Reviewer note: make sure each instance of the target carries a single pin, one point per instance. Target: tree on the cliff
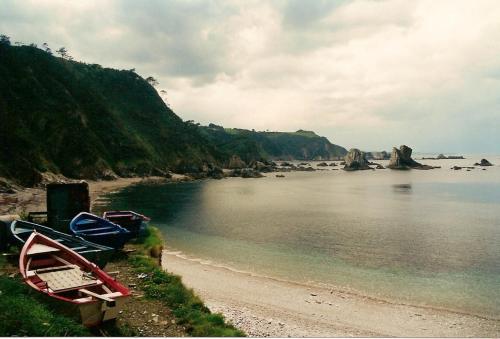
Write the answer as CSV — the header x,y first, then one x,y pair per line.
x,y
63,52
152,81
47,48
4,40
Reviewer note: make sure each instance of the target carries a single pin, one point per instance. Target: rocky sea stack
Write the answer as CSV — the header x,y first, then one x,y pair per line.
x,y
356,160
401,159
483,162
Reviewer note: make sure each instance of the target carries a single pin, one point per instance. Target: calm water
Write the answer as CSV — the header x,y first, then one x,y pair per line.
x,y
419,237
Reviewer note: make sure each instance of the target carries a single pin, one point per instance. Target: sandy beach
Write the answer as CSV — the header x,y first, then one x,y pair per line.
x,y
262,306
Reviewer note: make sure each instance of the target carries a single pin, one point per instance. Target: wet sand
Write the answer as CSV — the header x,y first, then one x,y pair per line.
x,y
263,306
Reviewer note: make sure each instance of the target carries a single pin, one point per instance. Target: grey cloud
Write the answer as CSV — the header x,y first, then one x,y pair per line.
x,y
298,14
373,70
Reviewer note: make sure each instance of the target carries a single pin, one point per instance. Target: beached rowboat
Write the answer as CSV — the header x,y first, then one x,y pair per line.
x,y
53,269
136,223
99,230
98,254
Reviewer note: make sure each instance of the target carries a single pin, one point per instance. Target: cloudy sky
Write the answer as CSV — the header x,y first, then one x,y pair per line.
x,y
367,74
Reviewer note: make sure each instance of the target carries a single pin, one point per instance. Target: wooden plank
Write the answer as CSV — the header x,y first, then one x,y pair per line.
x,y
65,262
95,295
40,248
106,289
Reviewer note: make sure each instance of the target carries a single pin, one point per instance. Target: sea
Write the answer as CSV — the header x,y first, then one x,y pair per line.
x,y
419,237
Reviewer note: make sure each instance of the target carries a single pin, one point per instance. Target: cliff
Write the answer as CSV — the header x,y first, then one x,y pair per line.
x,y
86,121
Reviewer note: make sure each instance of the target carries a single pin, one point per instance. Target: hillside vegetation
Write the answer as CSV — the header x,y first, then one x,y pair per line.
x,y
300,145
86,121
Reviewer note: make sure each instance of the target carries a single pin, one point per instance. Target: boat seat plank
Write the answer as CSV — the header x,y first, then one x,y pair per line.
x,y
96,295
40,248
108,295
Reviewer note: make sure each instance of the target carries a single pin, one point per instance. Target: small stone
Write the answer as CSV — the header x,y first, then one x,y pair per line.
x,y
313,294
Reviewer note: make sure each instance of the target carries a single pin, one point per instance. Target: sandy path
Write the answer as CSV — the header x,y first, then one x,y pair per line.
x,y
267,307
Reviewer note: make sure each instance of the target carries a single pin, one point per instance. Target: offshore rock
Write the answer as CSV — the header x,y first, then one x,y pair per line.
x,y
356,160
483,162
401,159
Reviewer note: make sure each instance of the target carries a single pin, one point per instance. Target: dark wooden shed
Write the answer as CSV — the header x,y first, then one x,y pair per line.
x,y
65,201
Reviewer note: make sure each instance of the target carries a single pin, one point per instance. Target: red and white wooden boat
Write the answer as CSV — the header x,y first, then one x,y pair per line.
x,y
56,270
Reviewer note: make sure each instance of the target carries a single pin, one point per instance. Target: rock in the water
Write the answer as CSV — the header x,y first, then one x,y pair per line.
x,y
356,160
401,159
262,167
322,164
236,162
483,162
246,173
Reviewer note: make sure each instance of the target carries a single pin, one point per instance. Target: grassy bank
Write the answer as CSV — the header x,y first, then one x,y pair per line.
x,y
158,284
25,312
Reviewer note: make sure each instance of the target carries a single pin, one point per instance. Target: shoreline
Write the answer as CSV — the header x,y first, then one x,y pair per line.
x,y
29,199
264,306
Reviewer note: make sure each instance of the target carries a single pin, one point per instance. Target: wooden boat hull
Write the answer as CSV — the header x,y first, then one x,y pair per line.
x,y
95,313
96,253
55,270
99,230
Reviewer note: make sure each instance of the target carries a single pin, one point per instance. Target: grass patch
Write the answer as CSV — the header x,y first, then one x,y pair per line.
x,y
23,314
186,306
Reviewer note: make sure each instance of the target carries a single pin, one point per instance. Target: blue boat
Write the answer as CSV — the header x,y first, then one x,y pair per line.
x,y
99,230
98,254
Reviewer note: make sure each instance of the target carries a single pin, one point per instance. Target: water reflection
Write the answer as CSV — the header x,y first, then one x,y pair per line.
x,y
402,188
